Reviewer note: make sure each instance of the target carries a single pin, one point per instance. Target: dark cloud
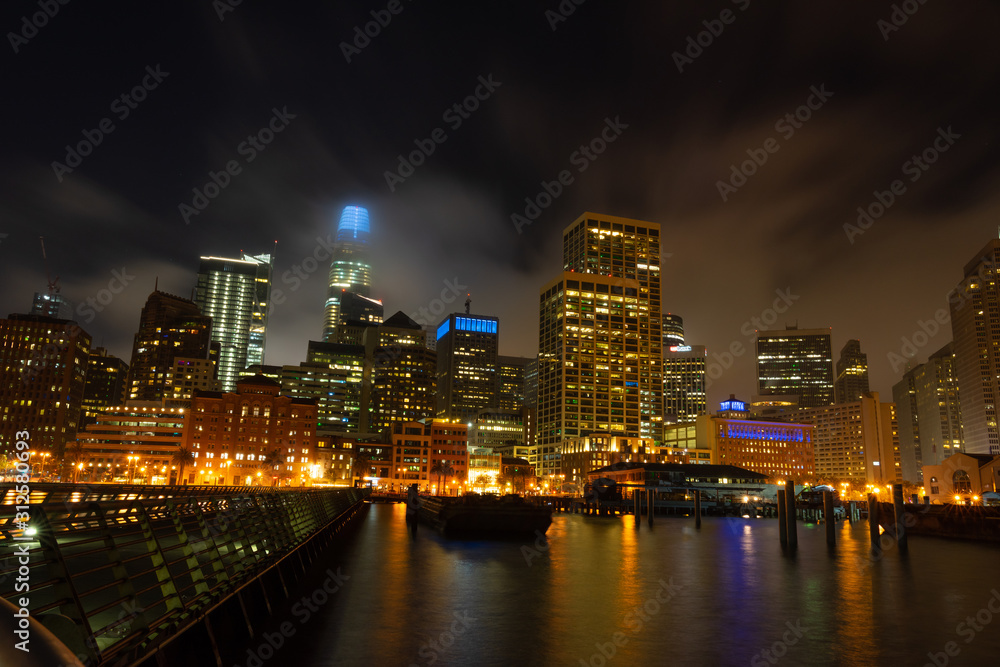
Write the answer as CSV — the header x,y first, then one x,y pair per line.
x,y
449,223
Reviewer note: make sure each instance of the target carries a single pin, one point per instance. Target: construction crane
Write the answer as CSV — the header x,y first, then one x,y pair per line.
x,y
53,283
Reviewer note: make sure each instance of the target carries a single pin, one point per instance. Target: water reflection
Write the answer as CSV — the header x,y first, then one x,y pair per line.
x,y
735,594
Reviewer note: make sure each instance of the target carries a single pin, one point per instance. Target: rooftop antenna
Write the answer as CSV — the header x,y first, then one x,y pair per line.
x,y
468,303
53,287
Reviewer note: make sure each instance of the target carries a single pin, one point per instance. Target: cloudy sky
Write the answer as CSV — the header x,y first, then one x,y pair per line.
x,y
695,89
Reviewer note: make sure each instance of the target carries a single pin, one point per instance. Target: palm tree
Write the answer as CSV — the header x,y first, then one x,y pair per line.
x,y
271,461
361,466
442,468
183,458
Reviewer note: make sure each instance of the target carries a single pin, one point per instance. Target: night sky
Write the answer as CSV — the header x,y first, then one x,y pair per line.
x,y
683,113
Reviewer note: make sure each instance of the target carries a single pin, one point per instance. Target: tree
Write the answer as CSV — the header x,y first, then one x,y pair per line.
x,y
442,468
481,482
75,455
270,462
183,457
361,466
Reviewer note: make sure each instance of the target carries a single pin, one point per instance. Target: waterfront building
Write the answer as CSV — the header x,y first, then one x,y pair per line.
x,y
432,453
722,484
600,347
962,478
582,455
169,327
134,443
975,327
43,368
236,294
350,266
252,435
796,361
400,375
502,431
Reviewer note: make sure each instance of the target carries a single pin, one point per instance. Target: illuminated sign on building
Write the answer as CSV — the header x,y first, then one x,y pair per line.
x,y
733,406
680,348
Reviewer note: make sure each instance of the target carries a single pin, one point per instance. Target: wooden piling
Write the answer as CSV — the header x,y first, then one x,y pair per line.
x,y
873,519
637,505
697,508
782,518
793,537
831,522
652,497
900,515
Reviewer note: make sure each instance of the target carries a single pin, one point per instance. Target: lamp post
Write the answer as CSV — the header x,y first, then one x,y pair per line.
x,y
132,461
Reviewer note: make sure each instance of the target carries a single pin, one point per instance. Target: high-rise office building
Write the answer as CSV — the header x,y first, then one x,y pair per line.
x,y
236,293
105,384
673,330
600,347
975,326
857,442
466,366
169,327
930,419
340,410
852,373
43,366
796,362
400,375
510,380
356,312
684,396
51,304
350,267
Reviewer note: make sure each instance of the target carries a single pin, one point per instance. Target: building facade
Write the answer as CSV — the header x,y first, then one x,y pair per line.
x,y
975,326
350,266
250,436
169,327
43,368
236,294
852,373
684,378
105,384
134,444
467,365
600,337
796,361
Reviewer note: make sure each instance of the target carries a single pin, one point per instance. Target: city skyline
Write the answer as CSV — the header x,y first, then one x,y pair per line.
x,y
733,243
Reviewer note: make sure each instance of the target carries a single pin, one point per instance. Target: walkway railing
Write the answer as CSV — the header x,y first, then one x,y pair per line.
x,y
116,571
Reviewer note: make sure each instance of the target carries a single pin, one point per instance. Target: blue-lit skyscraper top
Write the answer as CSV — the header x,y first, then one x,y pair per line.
x,y
353,225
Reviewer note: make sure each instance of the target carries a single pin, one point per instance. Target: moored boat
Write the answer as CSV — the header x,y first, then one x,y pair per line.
x,y
484,516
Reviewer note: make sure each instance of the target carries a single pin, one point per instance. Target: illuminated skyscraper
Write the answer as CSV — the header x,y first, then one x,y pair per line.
x,y
852,373
975,326
684,396
600,346
350,268
796,362
673,330
466,366
235,293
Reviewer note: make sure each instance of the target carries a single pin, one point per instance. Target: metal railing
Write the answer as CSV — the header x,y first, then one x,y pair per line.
x,y
117,570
